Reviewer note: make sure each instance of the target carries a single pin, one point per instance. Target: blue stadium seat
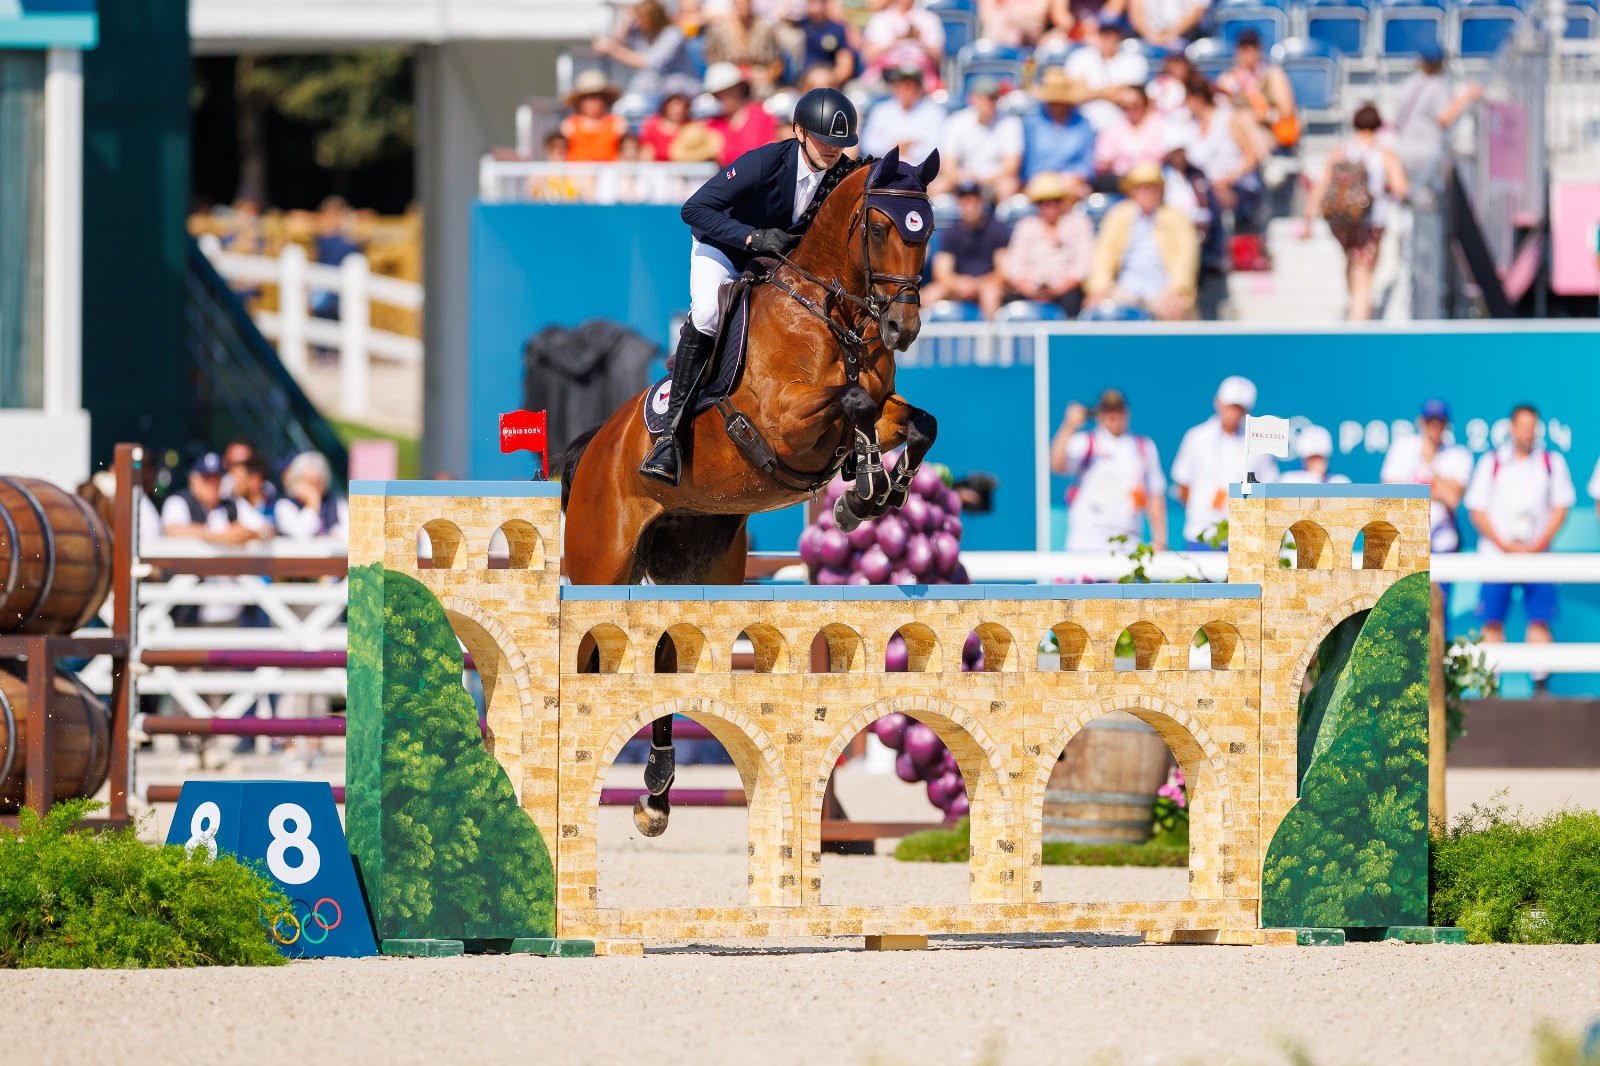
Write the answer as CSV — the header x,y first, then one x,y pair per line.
x,y
1267,17
1054,54
986,59
1013,208
1406,27
953,311
960,23
1210,56
1313,72
1029,311
1095,205
1583,21
1484,26
1340,26
1106,311
1153,54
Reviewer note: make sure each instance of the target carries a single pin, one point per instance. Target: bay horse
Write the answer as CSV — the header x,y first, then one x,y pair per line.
x,y
816,395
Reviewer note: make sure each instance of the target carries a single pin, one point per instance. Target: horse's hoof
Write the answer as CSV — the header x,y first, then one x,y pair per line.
x,y
648,820
846,519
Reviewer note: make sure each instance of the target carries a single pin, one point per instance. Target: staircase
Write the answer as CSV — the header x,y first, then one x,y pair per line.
x,y
1305,286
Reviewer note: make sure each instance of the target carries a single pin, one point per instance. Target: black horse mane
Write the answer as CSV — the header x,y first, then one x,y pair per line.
x,y
830,181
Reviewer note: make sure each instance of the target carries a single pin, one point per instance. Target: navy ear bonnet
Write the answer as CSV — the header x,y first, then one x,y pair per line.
x,y
899,191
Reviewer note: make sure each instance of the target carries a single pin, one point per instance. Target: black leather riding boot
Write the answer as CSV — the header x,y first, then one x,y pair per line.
x,y
694,348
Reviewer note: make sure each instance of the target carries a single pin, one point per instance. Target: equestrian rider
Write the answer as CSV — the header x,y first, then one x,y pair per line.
x,y
752,208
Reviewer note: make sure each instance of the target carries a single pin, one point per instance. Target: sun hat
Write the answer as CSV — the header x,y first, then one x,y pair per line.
x,y
1049,186
1055,87
720,77
1142,174
592,83
695,143
1313,440
1237,391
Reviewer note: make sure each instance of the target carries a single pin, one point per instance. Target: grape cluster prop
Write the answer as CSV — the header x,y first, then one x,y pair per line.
x,y
918,544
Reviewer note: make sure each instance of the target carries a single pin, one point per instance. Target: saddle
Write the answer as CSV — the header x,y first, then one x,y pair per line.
x,y
727,352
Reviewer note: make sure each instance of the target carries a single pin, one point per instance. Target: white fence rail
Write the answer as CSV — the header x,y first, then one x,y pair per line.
x,y
296,331
502,181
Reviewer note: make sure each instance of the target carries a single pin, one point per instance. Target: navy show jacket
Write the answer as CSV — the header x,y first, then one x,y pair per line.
x,y
755,191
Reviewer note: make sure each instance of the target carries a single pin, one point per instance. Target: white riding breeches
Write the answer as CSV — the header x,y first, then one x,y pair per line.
x,y
709,271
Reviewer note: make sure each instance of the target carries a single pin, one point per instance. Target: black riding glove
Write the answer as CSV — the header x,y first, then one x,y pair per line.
x,y
771,241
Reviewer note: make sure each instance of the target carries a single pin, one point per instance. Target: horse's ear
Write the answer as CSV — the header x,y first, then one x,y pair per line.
x,y
929,169
887,167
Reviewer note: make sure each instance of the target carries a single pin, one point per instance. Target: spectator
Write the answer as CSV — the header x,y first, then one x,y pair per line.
x,y
1103,66
592,131
1118,480
203,513
308,508
696,143
966,265
1050,251
981,145
655,136
331,244
1518,498
1189,190
1262,91
1081,19
827,44
1227,151
1314,446
1426,458
555,188
743,123
1138,136
1169,89
1014,23
647,42
1210,458
908,121
1168,24
1427,111
238,451
1147,254
749,43
251,492
902,34
1058,139
1357,193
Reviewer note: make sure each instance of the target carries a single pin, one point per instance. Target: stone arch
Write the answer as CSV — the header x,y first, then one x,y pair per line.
x,y
445,543
1072,640
767,643
1199,756
1380,546
689,649
525,546
1148,640
612,644
989,793
922,648
1363,601
1000,653
507,682
1227,650
1313,548
768,795
847,652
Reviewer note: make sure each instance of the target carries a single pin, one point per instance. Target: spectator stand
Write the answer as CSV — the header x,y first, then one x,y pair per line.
x,y
1269,18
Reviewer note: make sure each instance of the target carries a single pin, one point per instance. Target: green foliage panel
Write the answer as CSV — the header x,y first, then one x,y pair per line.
x,y
444,849
1353,852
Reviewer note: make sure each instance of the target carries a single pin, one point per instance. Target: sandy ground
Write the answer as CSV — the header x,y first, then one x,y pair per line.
x,y
1052,999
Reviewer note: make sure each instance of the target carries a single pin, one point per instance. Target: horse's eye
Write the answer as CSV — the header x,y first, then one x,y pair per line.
x,y
878,229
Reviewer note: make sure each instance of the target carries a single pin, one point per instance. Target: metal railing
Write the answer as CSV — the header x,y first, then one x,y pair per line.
x,y
502,181
294,328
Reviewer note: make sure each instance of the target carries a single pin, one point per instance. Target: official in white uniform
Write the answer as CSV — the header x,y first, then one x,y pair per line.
x,y
1212,457
1117,479
1314,446
1426,458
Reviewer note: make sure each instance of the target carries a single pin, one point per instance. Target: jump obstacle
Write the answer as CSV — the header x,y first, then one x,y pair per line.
x,y
1278,837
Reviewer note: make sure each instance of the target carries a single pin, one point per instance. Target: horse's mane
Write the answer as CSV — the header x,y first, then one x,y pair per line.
x,y
831,180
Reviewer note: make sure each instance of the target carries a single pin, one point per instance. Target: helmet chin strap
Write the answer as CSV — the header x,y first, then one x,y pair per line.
x,y
805,149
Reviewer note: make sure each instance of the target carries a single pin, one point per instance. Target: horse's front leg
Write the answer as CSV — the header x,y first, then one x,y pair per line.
x,y
864,500
917,428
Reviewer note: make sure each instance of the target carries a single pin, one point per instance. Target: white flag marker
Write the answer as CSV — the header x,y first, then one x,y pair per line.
x,y
1263,435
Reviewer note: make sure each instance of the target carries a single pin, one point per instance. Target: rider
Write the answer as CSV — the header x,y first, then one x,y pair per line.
x,y
752,208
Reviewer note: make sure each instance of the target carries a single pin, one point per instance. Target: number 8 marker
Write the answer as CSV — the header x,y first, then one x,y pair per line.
x,y
298,839
203,829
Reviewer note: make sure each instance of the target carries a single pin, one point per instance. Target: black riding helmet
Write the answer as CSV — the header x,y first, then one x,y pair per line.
x,y
829,116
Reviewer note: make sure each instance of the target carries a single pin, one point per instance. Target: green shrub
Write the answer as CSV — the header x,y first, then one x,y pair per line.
x,y
71,898
953,844
1509,881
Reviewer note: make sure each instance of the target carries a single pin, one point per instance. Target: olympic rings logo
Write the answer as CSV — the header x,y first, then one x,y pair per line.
x,y
287,927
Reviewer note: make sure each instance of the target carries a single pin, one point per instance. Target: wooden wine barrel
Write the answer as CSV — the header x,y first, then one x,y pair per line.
x,y
1104,785
80,729
55,558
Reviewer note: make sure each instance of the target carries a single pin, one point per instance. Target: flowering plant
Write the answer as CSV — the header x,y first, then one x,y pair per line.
x,y
1171,809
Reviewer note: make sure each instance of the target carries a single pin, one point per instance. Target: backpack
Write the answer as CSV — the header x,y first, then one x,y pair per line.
x,y
198,514
1347,202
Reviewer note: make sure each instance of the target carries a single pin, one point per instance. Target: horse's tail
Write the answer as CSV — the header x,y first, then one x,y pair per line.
x,y
569,462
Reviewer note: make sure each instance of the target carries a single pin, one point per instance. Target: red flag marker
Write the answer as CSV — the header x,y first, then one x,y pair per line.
x,y
525,431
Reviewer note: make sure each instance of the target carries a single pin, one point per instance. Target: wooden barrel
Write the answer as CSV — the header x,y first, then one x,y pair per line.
x,y
55,558
80,727
1104,785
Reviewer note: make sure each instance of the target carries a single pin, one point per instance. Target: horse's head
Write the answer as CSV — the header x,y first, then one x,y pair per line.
x,y
897,222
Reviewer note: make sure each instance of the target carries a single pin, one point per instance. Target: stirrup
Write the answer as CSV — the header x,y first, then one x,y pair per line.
x,y
661,462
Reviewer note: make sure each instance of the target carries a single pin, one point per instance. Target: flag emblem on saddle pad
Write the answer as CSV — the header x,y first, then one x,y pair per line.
x,y
662,397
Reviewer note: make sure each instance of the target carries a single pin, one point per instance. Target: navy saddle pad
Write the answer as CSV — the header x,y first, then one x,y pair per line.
x,y
725,368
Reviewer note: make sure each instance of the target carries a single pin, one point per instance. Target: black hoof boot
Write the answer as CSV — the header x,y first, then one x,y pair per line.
x,y
660,770
845,514
661,462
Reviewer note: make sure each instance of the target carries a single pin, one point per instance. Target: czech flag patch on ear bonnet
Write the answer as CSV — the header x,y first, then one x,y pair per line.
x,y
912,215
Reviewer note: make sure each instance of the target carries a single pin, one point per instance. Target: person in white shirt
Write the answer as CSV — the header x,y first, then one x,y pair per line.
x,y
1314,446
1518,499
1212,457
308,508
908,121
980,144
203,513
901,33
1105,66
1426,458
1117,478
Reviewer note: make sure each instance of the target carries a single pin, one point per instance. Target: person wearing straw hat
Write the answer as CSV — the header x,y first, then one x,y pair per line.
x,y
741,122
593,133
1058,139
1147,254
1050,250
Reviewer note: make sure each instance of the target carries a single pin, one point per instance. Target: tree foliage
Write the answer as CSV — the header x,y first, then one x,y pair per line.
x,y
359,102
1353,850
452,855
